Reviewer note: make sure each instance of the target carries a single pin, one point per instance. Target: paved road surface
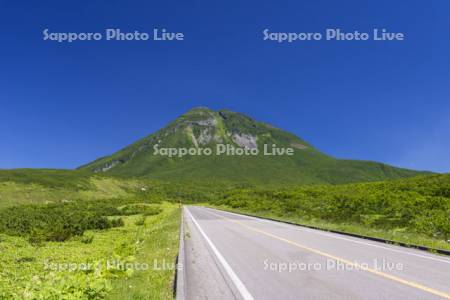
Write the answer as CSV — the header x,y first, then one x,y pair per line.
x,y
231,256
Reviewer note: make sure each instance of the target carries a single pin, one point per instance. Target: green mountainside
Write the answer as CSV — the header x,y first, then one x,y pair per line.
x,y
202,128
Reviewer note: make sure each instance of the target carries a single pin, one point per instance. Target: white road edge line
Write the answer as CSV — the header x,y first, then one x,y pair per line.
x,y
237,282
338,237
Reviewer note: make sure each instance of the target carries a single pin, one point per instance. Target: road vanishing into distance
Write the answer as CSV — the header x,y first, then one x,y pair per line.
x,y
231,256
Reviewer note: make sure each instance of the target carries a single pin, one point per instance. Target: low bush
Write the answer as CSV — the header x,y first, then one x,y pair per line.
x,y
87,238
58,222
54,222
420,204
140,221
139,208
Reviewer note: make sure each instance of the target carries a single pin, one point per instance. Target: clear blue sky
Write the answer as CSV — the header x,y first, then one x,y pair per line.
x,y
64,104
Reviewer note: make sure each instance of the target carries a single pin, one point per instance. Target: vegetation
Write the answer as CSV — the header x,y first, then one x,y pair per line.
x,y
56,237
139,208
158,246
415,210
73,235
27,186
49,178
98,264
55,222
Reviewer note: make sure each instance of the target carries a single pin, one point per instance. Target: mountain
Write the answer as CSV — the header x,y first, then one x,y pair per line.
x,y
202,128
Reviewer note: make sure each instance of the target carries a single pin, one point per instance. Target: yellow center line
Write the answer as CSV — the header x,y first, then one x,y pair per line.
x,y
343,260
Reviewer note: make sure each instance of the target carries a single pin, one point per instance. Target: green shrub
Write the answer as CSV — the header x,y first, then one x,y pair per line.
x,y
117,222
420,204
140,221
87,238
140,208
54,222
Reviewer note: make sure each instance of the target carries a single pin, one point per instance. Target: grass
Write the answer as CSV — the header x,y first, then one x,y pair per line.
x,y
78,268
16,193
158,247
50,178
93,188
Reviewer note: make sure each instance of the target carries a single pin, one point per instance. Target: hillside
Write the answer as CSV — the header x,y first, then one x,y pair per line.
x,y
204,128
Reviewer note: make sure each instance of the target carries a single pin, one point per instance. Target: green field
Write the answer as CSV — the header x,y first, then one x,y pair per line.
x,y
77,235
118,263
414,211
85,237
28,186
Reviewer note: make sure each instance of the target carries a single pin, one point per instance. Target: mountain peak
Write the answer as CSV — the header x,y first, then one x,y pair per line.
x,y
198,109
197,113
201,128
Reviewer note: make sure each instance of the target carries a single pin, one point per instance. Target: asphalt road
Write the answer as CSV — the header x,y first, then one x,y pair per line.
x,y
231,256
